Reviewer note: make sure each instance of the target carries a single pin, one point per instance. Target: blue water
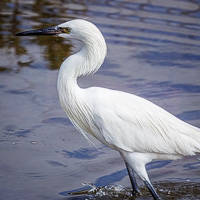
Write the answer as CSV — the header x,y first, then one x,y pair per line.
x,y
153,52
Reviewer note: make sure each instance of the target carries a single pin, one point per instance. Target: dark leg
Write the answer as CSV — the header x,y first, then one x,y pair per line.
x,y
132,179
152,191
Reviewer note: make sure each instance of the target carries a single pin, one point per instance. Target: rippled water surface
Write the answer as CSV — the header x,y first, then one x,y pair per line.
x,y
153,51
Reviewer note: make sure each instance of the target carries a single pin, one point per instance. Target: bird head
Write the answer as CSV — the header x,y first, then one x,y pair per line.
x,y
76,29
94,47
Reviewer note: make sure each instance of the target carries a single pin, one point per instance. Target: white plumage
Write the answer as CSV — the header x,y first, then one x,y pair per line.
x,y
137,128
121,120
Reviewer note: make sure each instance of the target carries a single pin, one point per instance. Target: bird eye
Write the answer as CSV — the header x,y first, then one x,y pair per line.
x,y
66,30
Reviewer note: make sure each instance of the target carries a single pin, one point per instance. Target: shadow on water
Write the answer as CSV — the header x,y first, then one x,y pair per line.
x,y
153,51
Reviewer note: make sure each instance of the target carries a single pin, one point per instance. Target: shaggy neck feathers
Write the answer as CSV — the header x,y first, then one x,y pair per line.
x,y
88,60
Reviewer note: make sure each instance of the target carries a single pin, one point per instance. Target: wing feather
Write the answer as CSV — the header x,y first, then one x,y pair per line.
x,y
134,124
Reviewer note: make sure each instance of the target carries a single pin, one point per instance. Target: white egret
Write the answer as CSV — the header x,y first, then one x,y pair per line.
x,y
138,129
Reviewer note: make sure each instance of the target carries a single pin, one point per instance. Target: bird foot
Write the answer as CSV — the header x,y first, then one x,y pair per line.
x,y
136,192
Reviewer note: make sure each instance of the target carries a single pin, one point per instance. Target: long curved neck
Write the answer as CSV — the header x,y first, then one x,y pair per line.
x,y
86,61
71,97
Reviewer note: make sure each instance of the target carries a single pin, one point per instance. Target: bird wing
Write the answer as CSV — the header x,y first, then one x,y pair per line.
x,y
134,124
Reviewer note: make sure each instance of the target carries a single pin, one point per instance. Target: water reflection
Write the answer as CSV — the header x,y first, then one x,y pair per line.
x,y
83,153
19,15
153,51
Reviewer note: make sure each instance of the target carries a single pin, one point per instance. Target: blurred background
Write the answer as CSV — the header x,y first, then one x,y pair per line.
x,y
153,52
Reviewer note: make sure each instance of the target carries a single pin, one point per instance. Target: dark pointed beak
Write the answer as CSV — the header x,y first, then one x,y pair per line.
x,y
45,31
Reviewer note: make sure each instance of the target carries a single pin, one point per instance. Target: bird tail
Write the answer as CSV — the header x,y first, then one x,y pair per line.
x,y
193,139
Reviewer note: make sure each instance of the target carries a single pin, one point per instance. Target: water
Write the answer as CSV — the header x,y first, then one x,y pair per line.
x,y
153,51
